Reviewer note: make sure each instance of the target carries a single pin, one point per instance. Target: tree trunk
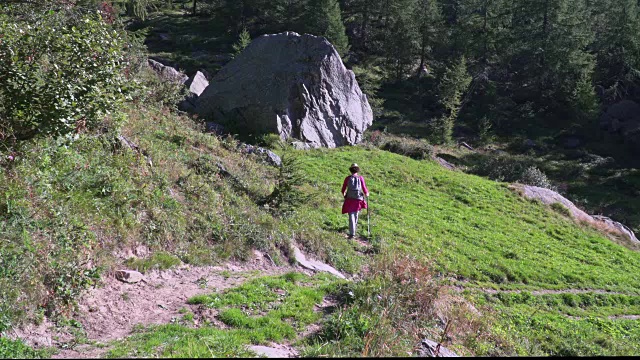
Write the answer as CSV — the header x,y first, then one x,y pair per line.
x,y
194,7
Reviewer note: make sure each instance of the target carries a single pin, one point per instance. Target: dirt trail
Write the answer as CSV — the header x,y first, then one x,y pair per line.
x,y
111,311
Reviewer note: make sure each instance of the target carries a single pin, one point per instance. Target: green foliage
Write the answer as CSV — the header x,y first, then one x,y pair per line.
x,y
287,196
415,149
544,328
243,41
182,342
60,74
533,176
454,84
370,80
512,169
15,349
155,90
323,18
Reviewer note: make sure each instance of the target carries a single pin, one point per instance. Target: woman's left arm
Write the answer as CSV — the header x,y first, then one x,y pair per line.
x,y
364,186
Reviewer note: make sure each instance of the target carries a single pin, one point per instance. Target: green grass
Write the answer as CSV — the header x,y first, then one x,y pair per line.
x,y
182,342
472,228
542,330
482,232
15,349
66,207
271,308
262,310
159,260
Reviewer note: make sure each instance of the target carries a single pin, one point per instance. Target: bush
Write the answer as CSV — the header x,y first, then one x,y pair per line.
x,y
534,177
60,73
159,91
287,195
414,149
509,168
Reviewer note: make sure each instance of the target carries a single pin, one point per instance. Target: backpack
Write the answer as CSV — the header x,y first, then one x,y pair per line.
x,y
354,188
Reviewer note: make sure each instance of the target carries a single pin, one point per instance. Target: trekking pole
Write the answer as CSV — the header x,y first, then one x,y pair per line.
x,y
368,222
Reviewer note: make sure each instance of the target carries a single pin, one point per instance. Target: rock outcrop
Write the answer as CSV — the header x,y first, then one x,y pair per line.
x,y
624,118
167,72
196,85
430,348
550,197
292,85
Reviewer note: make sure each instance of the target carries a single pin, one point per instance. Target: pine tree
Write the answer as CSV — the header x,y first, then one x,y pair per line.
x,y
243,42
617,46
324,18
428,17
548,50
401,37
453,86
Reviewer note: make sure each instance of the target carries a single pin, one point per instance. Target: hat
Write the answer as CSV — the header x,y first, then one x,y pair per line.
x,y
354,166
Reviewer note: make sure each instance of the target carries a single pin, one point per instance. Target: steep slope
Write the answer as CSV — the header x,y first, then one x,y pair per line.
x,y
539,283
556,288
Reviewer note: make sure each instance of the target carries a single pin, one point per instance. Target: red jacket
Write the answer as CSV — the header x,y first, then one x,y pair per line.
x,y
354,205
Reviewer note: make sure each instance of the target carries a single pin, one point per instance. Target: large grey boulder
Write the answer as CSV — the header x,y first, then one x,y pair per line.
x,y
624,118
292,85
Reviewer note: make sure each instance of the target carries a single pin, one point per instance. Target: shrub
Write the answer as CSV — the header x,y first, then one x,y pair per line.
x,y
287,195
415,149
534,177
61,73
156,90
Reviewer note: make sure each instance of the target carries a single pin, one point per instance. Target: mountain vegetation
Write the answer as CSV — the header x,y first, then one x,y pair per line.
x,y
96,158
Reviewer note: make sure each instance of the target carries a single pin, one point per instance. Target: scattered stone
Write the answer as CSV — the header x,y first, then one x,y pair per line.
x,y
314,264
196,85
129,276
164,36
549,197
431,348
292,85
272,352
269,156
299,145
445,163
223,171
167,72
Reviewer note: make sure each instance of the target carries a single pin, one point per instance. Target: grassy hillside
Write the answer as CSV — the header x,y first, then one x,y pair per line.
x,y
482,235
542,284
473,229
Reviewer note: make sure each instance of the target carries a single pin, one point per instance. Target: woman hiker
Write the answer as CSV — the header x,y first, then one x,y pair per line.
x,y
354,190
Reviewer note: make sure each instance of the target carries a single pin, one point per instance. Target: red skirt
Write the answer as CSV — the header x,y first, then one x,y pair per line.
x,y
353,205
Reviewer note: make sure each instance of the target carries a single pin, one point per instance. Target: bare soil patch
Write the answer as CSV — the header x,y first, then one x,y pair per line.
x,y
112,309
